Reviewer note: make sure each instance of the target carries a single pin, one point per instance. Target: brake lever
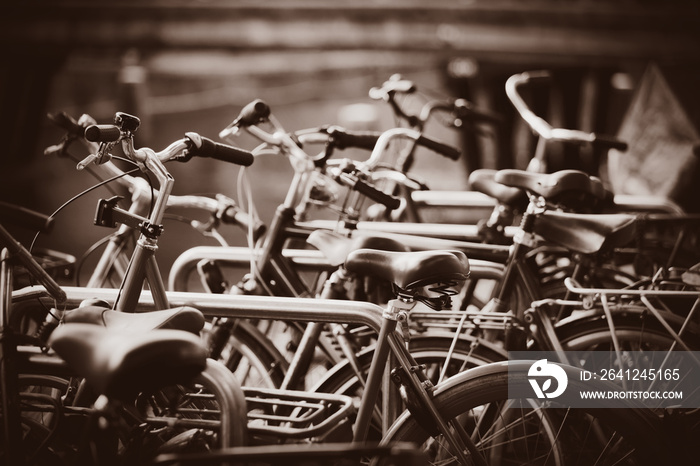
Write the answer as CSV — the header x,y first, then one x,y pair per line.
x,y
102,156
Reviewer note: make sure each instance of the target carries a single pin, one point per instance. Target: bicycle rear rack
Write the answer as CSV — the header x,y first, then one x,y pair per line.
x,y
289,414
423,321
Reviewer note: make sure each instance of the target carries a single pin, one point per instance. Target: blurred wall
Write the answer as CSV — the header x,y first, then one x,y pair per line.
x,y
192,66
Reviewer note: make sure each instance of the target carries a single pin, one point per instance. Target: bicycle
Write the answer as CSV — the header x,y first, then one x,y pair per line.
x,y
317,310
112,263
39,400
249,351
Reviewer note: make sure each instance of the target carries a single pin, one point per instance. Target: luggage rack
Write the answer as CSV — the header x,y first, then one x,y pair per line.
x,y
422,321
646,297
291,414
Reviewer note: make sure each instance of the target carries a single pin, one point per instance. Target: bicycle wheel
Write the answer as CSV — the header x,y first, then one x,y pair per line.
x,y
642,342
514,431
251,356
207,414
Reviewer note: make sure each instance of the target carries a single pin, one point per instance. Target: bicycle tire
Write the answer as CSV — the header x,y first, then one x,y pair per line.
x,y
208,413
542,436
430,350
642,340
426,349
638,329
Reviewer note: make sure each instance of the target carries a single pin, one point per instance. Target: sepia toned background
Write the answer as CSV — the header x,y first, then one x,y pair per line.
x,y
191,66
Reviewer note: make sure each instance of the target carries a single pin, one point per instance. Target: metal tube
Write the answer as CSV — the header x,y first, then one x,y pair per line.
x,y
221,305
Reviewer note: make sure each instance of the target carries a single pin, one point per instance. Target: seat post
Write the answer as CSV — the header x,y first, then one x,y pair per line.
x,y
522,239
390,319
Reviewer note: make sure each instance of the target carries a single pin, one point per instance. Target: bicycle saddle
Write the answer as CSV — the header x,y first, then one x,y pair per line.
x,y
586,233
184,318
410,270
552,185
121,363
483,180
336,247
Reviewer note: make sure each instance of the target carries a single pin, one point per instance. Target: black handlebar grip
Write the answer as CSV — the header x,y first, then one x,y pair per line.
x,y
205,147
235,215
253,113
66,122
448,151
102,133
387,200
343,139
609,142
23,217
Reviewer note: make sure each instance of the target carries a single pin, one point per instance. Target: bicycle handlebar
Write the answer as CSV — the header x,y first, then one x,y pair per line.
x,y
446,150
67,123
461,109
251,114
393,85
544,129
465,110
103,133
193,145
355,183
16,249
222,208
344,139
233,214
205,147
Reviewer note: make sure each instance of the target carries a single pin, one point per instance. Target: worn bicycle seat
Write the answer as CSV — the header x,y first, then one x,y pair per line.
x,y
180,318
552,185
585,233
121,363
483,180
410,270
336,247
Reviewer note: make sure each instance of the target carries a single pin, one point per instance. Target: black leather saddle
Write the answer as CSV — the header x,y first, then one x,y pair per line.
x,y
120,363
483,180
586,234
411,272
553,186
184,318
336,247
